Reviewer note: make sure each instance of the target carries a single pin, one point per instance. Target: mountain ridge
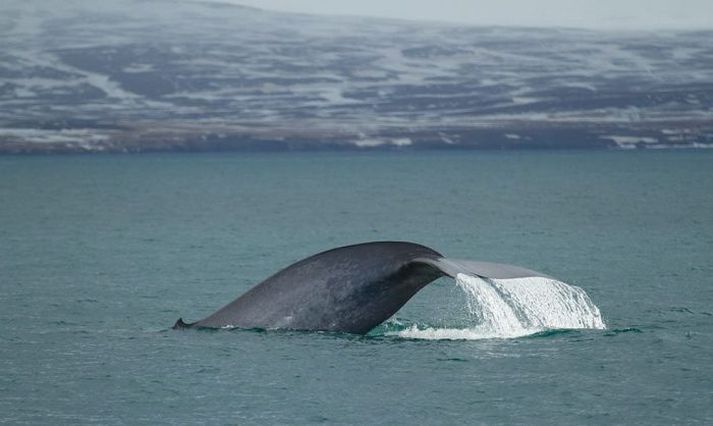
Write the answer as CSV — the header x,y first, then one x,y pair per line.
x,y
146,76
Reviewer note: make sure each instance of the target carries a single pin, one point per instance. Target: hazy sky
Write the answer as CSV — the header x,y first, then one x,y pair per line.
x,y
618,14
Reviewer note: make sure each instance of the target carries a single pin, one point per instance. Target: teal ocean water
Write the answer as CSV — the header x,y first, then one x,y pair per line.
x,y
99,255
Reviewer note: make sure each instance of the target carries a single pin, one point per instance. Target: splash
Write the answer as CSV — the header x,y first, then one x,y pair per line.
x,y
508,308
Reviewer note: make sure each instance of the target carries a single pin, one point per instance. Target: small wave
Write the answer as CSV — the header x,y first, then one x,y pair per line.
x,y
616,331
555,332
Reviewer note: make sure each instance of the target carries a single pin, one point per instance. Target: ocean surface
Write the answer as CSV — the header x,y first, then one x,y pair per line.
x,y
99,255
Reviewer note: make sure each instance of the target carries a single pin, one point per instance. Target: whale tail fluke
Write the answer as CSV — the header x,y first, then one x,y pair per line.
x,y
349,289
180,325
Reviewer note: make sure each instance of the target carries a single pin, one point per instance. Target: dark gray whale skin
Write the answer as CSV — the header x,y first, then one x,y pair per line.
x,y
349,289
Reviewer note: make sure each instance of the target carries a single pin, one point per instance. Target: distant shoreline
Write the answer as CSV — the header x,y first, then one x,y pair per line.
x,y
155,137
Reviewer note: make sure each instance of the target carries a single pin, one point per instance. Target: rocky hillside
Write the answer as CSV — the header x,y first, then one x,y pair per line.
x,y
161,75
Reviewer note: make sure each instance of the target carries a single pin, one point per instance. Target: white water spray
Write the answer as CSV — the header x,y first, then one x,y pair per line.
x,y
506,308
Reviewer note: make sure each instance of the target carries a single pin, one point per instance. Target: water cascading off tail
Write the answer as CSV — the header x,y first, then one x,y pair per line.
x,y
506,308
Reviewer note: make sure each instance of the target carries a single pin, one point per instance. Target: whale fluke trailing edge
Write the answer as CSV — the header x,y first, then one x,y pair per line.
x,y
348,289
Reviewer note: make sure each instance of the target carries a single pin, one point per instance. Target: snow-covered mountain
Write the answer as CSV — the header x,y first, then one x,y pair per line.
x,y
132,75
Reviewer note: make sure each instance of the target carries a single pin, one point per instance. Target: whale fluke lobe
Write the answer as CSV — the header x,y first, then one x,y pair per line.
x,y
349,289
453,267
